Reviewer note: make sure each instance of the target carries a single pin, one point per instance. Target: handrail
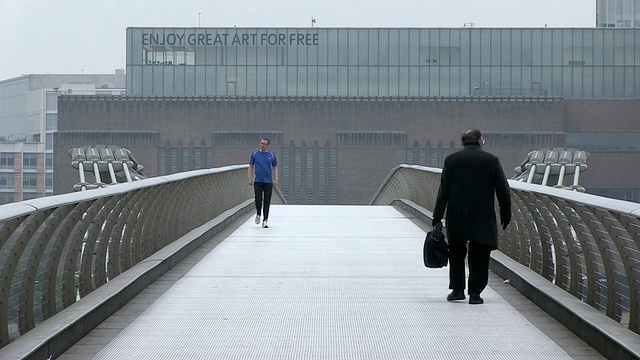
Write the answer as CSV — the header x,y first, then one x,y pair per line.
x,y
587,245
54,251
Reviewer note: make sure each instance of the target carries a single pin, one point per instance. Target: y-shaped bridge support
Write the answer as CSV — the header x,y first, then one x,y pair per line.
x,y
111,163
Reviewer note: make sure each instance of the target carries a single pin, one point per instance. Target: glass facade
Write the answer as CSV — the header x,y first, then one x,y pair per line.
x,y
618,13
378,62
13,102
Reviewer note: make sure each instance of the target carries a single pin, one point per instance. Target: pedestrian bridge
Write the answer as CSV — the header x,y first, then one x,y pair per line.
x,y
175,268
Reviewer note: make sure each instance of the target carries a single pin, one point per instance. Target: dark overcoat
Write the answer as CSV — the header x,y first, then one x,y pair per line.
x,y
471,179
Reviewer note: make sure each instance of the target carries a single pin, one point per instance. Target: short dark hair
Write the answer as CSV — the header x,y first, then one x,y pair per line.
x,y
471,136
268,141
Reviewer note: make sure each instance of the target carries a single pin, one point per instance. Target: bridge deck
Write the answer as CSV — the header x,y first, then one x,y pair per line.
x,y
323,282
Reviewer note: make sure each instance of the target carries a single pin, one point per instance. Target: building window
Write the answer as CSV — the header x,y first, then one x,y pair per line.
x,y
52,121
284,171
208,158
333,176
197,158
48,141
185,159
29,195
48,181
29,161
160,55
6,181
6,198
434,161
322,173
297,175
162,162
7,161
48,161
173,160
29,181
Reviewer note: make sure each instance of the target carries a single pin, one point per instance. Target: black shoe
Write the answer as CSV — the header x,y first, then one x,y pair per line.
x,y
475,299
456,295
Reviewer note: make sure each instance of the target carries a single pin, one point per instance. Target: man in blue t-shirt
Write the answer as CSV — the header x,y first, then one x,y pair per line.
x,y
263,175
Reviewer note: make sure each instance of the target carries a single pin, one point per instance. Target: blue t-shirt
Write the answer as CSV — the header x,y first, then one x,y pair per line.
x,y
264,163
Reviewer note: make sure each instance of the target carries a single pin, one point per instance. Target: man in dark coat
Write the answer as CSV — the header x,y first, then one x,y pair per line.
x,y
470,179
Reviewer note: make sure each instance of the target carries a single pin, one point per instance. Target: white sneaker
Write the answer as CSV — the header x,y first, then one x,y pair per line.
x,y
257,221
264,224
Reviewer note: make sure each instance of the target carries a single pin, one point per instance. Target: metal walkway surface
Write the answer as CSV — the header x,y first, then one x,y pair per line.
x,y
323,282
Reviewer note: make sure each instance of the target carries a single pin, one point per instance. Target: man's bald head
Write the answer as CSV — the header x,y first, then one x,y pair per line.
x,y
471,136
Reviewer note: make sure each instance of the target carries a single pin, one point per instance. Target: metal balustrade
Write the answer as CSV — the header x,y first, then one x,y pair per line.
x,y
587,245
55,251
58,250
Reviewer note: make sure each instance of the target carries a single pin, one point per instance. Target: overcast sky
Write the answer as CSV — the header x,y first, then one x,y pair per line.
x,y
88,36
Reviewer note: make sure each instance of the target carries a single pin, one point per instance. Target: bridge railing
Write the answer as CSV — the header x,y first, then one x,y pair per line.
x,y
587,245
55,251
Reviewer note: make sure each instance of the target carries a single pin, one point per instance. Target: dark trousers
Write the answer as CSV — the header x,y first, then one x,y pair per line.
x,y
263,197
479,255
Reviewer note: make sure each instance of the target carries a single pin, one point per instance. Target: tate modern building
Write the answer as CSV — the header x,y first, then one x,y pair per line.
x,y
343,106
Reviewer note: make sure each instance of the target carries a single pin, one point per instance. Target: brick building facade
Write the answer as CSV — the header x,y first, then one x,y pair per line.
x,y
337,150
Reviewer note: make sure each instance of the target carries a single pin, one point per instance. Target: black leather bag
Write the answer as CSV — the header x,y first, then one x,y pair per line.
x,y
435,253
